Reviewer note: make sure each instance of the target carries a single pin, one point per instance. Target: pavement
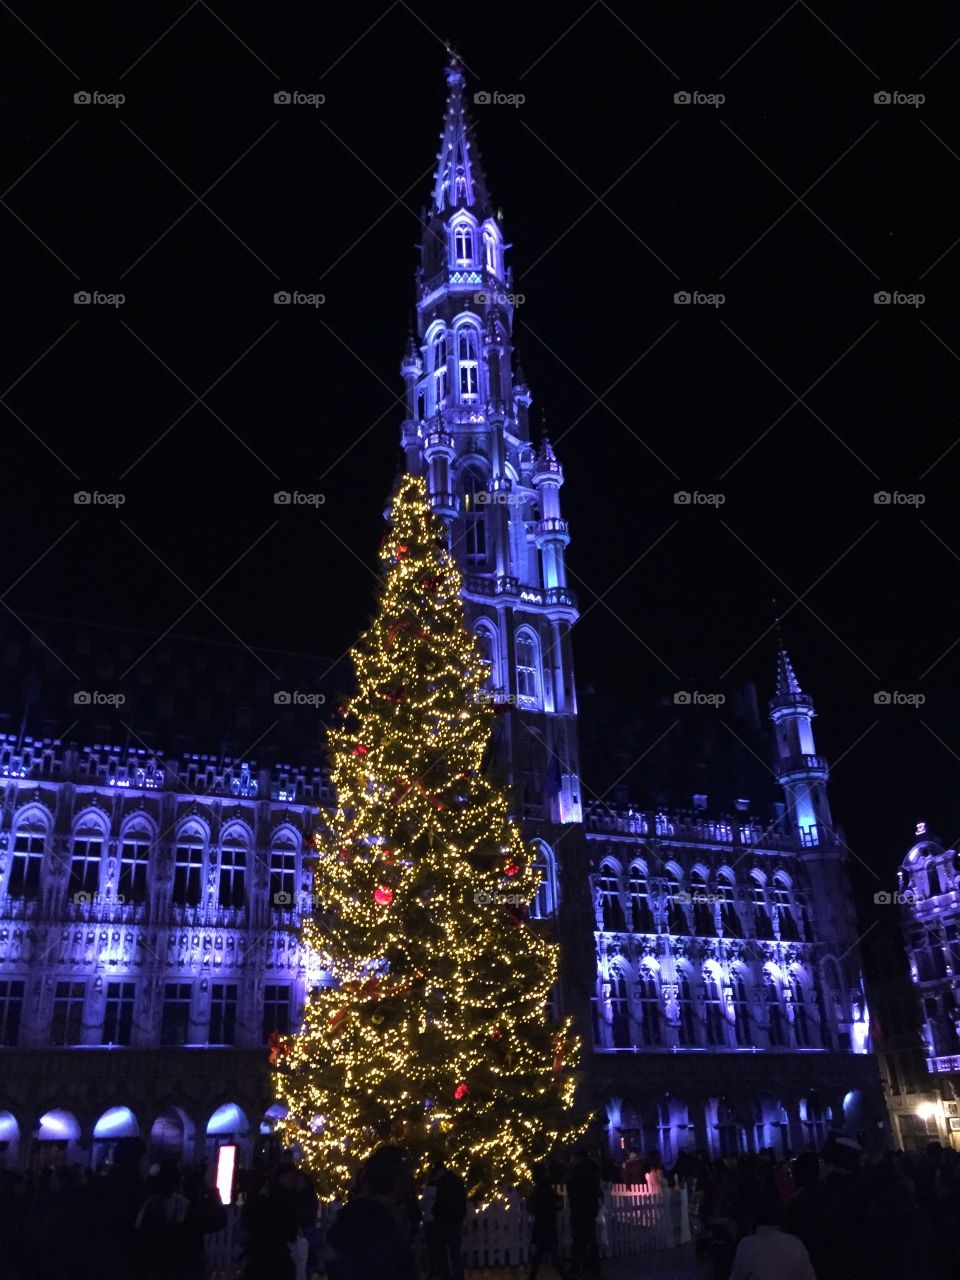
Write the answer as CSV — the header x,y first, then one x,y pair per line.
x,y
665,1264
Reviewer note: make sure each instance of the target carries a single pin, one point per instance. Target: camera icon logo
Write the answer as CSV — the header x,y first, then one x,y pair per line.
x,y
82,698
682,498
282,498
882,299
682,98
882,98
882,498
82,299
883,897
282,698
682,299
882,699
282,898
82,498
681,698
282,298
82,897
282,98
482,98
82,98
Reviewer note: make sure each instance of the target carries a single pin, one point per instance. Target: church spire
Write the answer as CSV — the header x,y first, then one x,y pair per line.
x,y
459,181
787,682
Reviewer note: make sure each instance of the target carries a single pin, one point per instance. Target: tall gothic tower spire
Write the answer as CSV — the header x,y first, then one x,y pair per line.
x,y
467,430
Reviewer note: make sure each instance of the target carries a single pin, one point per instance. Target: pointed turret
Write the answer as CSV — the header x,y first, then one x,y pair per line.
x,y
787,682
459,181
800,771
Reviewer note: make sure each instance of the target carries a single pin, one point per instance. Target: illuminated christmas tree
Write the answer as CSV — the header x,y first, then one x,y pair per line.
x,y
434,1032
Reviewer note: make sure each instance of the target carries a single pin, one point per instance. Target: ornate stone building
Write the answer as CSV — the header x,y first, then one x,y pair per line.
x,y
147,899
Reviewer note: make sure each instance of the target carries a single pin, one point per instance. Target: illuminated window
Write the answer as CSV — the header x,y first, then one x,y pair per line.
x,y
676,919
11,1007
640,901
784,914
741,1012
438,367
134,868
762,921
223,1013
118,1015
67,1025
188,874
474,517
25,866
608,887
713,1010
704,921
175,1019
528,679
649,999
688,1020
463,245
283,878
619,1012
775,1021
729,916
544,903
490,251
801,1019
233,870
488,651
276,1009
467,360
85,866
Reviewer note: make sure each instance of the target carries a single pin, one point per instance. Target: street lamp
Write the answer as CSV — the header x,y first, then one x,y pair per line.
x,y
927,1110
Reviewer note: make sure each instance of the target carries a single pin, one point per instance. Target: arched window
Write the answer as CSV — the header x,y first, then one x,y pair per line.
x,y
704,921
761,916
677,925
25,864
528,668
776,1032
490,251
474,517
463,245
728,1130
487,643
283,877
545,902
729,916
188,868
649,1000
233,870
713,1009
802,1027
783,911
640,900
85,860
619,1012
741,1010
438,367
608,889
815,1118
467,360
688,1022
134,865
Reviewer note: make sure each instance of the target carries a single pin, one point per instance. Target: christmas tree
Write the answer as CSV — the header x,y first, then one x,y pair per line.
x,y
433,1031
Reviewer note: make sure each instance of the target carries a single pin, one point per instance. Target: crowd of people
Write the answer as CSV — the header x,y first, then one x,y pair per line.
x,y
832,1215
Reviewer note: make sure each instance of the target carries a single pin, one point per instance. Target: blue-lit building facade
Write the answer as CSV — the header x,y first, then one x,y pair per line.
x,y
148,895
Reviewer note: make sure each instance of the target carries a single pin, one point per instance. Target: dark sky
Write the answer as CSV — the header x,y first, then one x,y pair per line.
x,y
798,199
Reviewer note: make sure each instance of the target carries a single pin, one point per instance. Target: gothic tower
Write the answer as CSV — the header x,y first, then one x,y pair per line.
x,y
467,430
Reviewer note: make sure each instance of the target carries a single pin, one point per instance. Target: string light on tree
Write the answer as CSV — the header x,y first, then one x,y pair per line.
x,y
434,1028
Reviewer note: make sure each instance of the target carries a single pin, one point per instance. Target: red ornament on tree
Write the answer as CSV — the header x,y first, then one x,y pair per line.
x,y
511,869
460,1091
361,750
383,896
402,550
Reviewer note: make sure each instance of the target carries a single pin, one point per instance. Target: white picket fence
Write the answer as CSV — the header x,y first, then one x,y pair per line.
x,y
632,1220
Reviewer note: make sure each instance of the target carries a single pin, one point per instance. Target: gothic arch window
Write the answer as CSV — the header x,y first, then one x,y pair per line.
x,y
188,866
611,908
468,363
487,643
474,516
639,889
232,882
763,925
741,1009
815,1117
687,1028
26,860
134,878
713,1008
704,921
776,1022
648,996
86,857
491,257
283,871
784,909
726,897
528,668
619,1010
438,368
463,244
800,994
545,902
677,925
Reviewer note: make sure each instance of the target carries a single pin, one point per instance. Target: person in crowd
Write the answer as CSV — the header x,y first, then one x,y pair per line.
x,y
584,1195
771,1254
366,1237
543,1205
270,1217
635,1170
445,1228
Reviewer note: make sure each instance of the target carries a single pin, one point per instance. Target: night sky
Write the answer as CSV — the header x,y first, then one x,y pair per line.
x,y
797,399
